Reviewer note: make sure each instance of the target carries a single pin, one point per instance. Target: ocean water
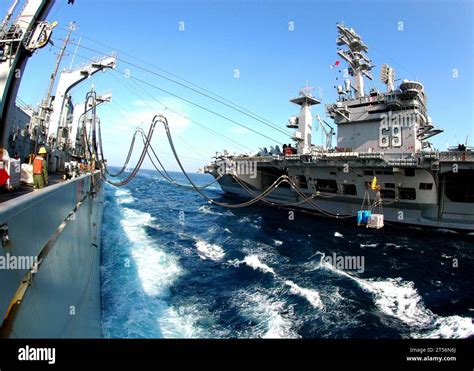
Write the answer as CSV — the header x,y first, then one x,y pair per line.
x,y
175,266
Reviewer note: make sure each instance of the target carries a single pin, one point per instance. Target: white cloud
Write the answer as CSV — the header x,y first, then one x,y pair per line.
x,y
119,125
141,113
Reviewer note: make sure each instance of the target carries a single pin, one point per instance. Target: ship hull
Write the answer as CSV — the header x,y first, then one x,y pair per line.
x,y
61,226
431,208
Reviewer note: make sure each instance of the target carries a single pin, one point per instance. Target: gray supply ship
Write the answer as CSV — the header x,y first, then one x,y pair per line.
x,y
383,162
51,238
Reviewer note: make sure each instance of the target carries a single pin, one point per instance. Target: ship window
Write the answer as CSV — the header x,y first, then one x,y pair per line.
x,y
388,172
407,193
426,186
302,183
379,172
332,173
326,185
389,185
368,172
387,193
409,172
460,186
349,189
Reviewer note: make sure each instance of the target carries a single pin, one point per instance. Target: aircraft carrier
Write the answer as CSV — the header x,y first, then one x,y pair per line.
x,y
382,170
51,237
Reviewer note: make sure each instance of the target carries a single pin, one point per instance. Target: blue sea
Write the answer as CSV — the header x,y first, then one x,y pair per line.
x,y
175,266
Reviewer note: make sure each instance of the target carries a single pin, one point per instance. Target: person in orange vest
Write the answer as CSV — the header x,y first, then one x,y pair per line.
x,y
40,169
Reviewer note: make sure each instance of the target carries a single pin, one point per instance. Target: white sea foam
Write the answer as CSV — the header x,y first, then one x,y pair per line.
x,y
120,192
154,226
209,251
254,262
311,295
251,223
180,323
334,297
278,242
206,209
156,272
337,234
156,269
369,245
123,196
449,328
390,244
400,299
140,306
279,328
274,318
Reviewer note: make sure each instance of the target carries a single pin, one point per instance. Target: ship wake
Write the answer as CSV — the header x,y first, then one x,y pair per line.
x,y
145,312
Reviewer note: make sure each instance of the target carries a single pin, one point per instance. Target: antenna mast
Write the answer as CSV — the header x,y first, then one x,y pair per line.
x,y
41,120
72,27
359,63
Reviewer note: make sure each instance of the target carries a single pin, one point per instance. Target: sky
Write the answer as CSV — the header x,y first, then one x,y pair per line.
x,y
246,52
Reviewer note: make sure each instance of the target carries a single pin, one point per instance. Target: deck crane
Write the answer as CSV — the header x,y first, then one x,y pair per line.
x,y
328,133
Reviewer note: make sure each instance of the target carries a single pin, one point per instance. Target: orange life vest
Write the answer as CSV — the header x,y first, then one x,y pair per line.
x,y
38,165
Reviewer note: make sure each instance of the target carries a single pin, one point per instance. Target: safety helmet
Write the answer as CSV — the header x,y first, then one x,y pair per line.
x,y
42,151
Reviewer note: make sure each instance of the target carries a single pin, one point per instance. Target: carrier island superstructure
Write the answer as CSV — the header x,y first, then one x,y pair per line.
x,y
382,135
50,238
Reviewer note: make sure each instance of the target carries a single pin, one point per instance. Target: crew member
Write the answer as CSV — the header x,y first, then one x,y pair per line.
x,y
40,169
288,150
